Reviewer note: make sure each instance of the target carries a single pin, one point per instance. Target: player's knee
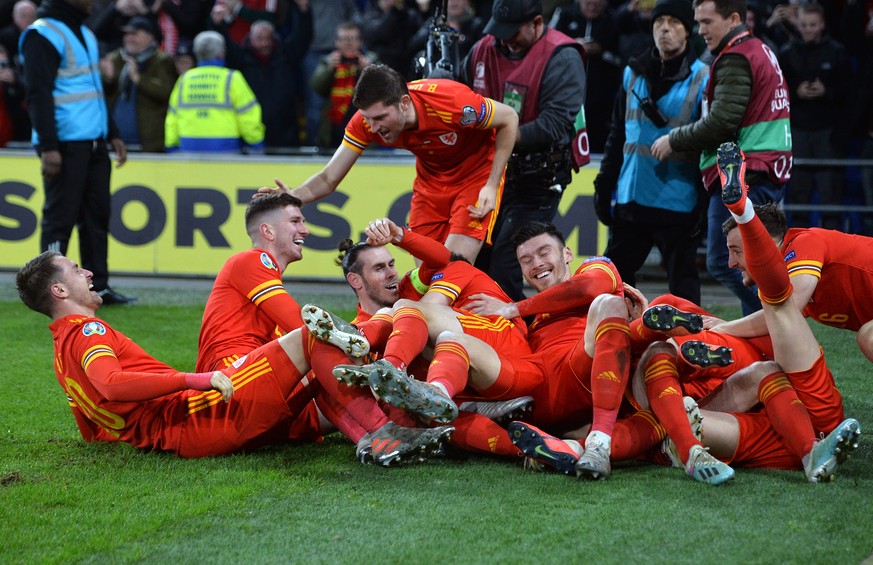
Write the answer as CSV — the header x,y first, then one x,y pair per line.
x,y
608,306
865,340
450,337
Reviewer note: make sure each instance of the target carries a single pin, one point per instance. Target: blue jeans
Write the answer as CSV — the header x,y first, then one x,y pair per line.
x,y
716,243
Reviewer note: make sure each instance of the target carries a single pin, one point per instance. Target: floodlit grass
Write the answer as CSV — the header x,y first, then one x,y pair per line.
x,y
62,500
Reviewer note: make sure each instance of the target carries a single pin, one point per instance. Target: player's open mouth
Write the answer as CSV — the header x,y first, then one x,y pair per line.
x,y
543,275
298,242
392,287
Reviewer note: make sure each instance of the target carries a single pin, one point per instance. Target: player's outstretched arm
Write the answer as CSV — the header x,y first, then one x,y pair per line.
x,y
505,121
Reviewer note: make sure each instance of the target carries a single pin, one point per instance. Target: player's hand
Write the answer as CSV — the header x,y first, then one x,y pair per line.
x,y
712,323
485,305
486,202
636,301
120,151
383,231
222,384
267,190
50,163
661,148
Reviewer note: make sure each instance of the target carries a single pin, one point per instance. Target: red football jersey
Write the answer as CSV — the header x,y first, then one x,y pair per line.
x,y
452,143
248,307
843,264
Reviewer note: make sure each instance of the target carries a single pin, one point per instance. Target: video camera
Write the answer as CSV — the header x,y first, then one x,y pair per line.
x,y
441,57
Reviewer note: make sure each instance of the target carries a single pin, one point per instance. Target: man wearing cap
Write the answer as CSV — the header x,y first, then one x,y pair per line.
x,y
540,73
746,102
71,128
657,203
138,78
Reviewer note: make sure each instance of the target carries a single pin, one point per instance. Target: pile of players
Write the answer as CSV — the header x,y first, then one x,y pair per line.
x,y
441,359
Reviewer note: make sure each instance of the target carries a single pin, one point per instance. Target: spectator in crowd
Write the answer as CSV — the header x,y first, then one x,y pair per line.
x,y
817,71
212,108
14,124
633,25
746,101
326,15
23,14
387,29
179,21
184,57
335,79
239,15
540,73
459,16
270,65
657,204
781,24
71,125
108,21
138,78
591,23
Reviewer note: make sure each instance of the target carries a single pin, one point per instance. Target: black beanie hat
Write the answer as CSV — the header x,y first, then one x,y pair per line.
x,y
679,9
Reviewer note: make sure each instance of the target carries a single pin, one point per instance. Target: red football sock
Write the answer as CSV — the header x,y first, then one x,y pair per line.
x,y
376,330
786,413
634,436
610,370
641,337
408,338
665,397
765,263
450,367
351,409
476,433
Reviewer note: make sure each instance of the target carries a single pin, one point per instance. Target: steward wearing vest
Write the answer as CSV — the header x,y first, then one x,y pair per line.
x,y
657,203
71,129
746,102
212,108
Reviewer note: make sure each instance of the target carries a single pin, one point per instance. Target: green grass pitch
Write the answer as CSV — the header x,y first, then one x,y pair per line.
x,y
62,500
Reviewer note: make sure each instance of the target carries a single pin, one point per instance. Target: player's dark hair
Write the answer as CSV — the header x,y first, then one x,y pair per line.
x,y
770,214
35,278
348,255
379,83
725,8
263,204
533,229
458,257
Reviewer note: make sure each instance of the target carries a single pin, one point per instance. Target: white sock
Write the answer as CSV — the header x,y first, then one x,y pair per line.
x,y
442,388
575,446
599,437
748,213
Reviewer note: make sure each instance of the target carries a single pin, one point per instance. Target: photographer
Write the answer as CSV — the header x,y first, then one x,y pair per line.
x,y
540,73
657,203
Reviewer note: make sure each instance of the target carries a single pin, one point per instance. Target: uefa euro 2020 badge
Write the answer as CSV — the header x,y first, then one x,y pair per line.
x,y
268,263
93,328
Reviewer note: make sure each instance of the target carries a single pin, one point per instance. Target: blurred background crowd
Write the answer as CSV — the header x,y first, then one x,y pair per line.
x,y
300,58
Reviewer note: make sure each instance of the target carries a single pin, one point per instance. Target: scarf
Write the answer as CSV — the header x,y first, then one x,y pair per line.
x,y
344,78
125,85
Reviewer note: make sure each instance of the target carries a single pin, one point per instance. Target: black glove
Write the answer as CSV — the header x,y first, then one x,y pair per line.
x,y
603,207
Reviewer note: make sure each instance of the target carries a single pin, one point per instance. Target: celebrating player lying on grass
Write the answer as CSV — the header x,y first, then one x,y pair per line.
x,y
118,392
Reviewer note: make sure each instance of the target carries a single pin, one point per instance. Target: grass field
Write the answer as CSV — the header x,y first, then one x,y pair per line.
x,y
62,500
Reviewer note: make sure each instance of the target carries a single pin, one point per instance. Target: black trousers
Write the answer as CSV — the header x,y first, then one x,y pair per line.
x,y
79,196
630,244
519,206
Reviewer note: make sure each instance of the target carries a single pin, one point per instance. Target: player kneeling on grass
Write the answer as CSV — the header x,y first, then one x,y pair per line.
x,y
118,392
